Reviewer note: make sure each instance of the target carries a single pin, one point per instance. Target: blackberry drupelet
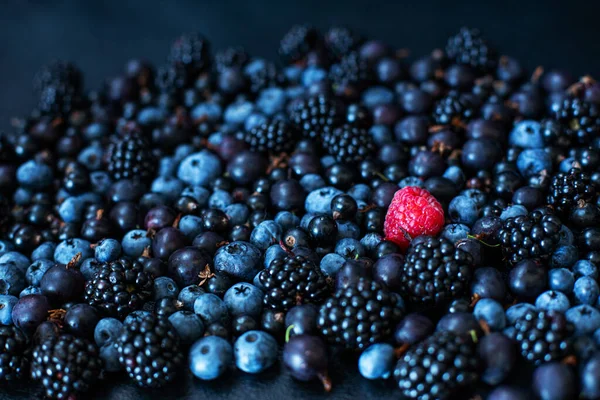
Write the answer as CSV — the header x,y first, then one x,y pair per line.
x,y
131,158
453,109
298,42
340,41
543,336
271,137
568,190
119,288
291,281
435,272
316,116
359,315
438,366
535,235
470,48
349,144
14,354
231,57
579,119
171,79
59,74
350,76
191,51
149,350
66,366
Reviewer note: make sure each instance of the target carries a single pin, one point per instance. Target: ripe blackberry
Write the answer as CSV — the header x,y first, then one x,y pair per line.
x,y
58,100
340,41
359,315
149,350
66,366
14,354
298,42
435,272
554,134
453,109
570,190
543,336
470,48
316,116
231,57
349,144
271,137
171,79
131,158
293,281
579,119
438,366
119,287
59,74
191,51
535,235
350,75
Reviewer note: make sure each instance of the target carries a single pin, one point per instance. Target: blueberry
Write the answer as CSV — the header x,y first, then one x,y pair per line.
x,y
244,298
533,161
199,168
455,232
347,229
350,248
109,354
165,287
312,182
188,296
68,249
170,188
527,134
210,357
319,201
220,199
513,211
71,209
585,318
12,279
211,309
552,300
589,383
255,351
241,260
30,290
107,331
35,175
564,257
36,271
505,392
107,250
238,214
586,290
198,193
271,100
561,279
585,268
377,361
513,313
7,304
19,260
135,242
45,251
331,264
491,312
188,326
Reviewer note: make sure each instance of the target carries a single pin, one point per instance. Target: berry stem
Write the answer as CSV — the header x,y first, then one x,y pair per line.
x,y
324,378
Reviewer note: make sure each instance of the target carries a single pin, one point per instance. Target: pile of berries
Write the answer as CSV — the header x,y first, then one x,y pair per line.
x,y
438,219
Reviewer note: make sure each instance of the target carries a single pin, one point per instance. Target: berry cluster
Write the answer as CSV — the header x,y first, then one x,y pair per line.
x,y
438,217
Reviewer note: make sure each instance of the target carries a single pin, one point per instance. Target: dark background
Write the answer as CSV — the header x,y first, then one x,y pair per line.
x,y
100,36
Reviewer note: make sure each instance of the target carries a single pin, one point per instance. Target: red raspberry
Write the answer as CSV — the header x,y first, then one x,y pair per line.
x,y
413,212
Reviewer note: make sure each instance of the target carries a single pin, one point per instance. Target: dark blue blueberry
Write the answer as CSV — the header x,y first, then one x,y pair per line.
x,y
107,250
36,271
165,287
463,210
189,326
30,290
331,264
508,393
35,175
564,257
7,304
585,318
107,330
255,351
319,201
19,260
45,251
244,299
553,300
532,162
135,242
199,168
478,154
589,382
527,134
287,220
241,260
350,248
211,309
455,232
210,357
188,296
68,249
12,279
377,361
585,268
561,279
265,234
513,313
586,290
191,225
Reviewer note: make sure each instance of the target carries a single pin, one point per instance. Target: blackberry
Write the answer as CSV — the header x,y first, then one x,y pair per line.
x,y
438,366
535,235
359,315
569,190
291,281
579,119
119,287
543,336
192,51
435,272
61,74
131,158
14,354
66,366
554,134
316,116
340,41
171,79
298,42
350,75
470,48
149,350
58,100
271,137
453,109
349,144
231,57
